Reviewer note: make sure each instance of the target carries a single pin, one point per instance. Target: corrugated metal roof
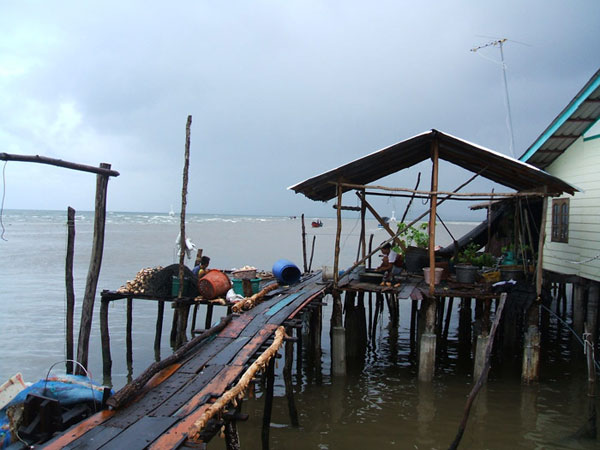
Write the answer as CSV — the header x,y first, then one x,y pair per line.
x,y
573,121
492,165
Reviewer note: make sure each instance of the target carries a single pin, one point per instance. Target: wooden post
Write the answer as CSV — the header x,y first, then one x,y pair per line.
x,y
336,260
266,425
304,245
363,227
159,324
209,313
592,311
69,286
578,308
183,311
312,252
432,212
87,308
531,352
105,340
287,378
129,328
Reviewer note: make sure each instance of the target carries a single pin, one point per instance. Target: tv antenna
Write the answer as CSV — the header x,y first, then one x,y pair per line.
x,y
499,43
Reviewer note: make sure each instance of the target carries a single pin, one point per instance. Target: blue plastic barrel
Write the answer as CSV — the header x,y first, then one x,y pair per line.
x,y
286,272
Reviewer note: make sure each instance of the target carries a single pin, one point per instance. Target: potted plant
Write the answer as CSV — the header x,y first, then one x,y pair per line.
x,y
416,242
466,270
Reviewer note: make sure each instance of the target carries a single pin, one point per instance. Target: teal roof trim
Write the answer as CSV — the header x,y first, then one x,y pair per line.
x,y
560,120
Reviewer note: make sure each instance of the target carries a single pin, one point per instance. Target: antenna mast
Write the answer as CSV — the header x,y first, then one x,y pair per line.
x,y
499,43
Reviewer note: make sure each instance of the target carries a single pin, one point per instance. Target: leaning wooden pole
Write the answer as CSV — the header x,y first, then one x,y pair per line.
x,y
87,308
69,286
186,166
182,311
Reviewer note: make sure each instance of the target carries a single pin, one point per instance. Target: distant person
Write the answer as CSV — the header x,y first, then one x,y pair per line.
x,y
391,265
201,269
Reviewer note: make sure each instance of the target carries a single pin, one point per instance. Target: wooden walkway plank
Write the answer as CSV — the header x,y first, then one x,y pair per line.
x,y
95,438
281,304
173,437
196,362
252,347
236,326
224,356
176,401
217,386
78,430
141,433
152,400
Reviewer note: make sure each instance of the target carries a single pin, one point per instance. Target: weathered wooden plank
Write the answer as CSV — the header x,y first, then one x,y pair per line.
x,y
227,354
175,435
236,326
141,433
281,304
170,406
95,438
217,386
406,290
197,361
78,430
152,400
252,347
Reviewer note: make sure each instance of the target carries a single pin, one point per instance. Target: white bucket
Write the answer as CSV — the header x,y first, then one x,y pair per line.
x,y
437,276
327,273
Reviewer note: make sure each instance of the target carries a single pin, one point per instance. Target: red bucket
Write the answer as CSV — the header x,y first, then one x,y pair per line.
x,y
214,284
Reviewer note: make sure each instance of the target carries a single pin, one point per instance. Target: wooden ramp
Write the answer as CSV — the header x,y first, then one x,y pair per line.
x,y
161,416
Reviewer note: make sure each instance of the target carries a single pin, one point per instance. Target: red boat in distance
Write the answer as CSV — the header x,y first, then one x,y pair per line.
x,y
316,223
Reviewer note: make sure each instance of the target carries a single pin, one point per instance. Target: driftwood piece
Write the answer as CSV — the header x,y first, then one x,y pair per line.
x,y
131,389
251,302
237,392
484,373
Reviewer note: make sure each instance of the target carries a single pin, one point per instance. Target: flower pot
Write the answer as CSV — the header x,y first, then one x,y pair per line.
x,y
437,277
513,272
466,273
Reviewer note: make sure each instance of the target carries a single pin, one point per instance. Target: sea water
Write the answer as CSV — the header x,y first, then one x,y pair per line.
x,y
379,404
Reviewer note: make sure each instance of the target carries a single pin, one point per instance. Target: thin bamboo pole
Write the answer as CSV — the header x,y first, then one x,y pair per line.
x,y
304,245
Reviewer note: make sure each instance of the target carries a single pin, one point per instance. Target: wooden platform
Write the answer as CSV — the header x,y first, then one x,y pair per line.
x,y
177,396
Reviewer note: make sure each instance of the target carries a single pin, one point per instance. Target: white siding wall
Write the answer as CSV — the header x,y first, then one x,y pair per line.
x,y
580,166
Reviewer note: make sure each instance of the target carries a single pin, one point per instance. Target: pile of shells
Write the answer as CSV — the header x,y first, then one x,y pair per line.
x,y
140,284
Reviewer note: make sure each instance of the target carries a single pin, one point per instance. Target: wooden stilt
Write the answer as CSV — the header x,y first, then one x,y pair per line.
x,y
448,318
413,325
266,425
287,378
592,312
232,438
69,286
304,260
194,314
87,308
578,308
158,334
174,322
128,338
209,314
105,340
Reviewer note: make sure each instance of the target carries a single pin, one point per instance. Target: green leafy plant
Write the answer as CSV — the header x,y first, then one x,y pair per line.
x,y
413,236
468,254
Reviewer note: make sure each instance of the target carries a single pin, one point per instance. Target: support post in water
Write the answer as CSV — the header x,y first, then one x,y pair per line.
x,y
69,286
87,309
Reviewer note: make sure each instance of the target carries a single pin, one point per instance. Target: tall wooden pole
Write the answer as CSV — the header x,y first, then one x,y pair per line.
x,y
69,286
304,245
182,311
363,226
87,309
432,212
336,260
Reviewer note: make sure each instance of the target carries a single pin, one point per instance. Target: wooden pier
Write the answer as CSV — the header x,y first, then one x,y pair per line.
x,y
163,413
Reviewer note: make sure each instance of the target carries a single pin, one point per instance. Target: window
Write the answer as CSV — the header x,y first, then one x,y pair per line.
x,y
560,220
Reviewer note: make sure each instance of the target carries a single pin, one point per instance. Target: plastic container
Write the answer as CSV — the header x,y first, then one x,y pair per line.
x,y
466,274
286,272
238,285
437,277
188,288
214,284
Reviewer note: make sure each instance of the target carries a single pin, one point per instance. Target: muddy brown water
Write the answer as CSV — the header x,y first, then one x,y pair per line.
x,y
378,405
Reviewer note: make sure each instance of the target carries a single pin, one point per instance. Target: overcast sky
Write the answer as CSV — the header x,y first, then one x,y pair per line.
x,y
279,91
